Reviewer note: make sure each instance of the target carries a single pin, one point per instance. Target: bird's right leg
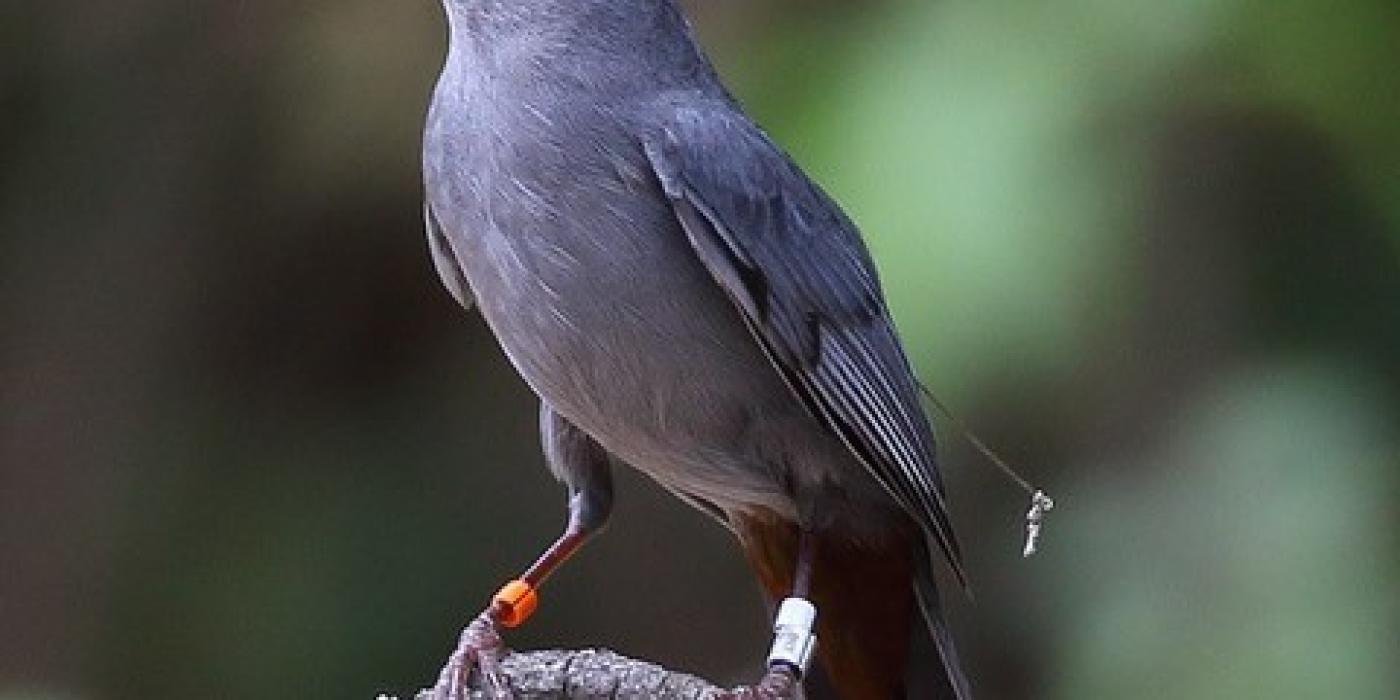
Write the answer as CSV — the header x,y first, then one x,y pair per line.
x,y
793,639
583,466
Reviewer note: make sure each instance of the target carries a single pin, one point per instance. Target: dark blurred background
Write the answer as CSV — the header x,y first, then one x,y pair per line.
x,y
1151,250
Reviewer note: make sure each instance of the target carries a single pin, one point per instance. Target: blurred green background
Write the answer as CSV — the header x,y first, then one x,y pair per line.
x,y
248,448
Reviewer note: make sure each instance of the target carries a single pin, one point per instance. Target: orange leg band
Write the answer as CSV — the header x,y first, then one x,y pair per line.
x,y
517,601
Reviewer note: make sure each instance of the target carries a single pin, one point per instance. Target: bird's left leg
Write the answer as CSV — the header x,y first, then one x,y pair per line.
x,y
794,636
584,467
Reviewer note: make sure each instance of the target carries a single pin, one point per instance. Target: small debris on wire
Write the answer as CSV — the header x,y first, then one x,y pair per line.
x,y
1035,519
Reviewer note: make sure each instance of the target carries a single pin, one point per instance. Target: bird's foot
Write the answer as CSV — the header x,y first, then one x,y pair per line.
x,y
779,683
479,649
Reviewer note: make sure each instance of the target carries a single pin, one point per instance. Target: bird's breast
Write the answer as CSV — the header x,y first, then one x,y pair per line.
x,y
595,295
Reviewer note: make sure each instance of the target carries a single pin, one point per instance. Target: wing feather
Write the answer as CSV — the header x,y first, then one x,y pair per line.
x,y
800,275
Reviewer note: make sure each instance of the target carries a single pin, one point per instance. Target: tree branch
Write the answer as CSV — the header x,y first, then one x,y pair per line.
x,y
589,674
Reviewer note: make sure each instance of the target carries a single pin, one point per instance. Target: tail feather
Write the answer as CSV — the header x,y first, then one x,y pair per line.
x,y
926,593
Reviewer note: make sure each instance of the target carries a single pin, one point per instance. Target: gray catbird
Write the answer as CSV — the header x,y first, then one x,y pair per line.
x,y
682,297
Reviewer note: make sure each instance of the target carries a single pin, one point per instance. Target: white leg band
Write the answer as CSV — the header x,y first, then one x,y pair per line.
x,y
793,639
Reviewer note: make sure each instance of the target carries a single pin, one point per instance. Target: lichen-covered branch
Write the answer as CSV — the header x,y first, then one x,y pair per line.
x,y
593,674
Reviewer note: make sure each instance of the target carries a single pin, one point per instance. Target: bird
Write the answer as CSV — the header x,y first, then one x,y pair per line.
x,y
685,301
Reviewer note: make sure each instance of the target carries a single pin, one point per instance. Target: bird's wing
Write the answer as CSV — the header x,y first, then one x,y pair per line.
x,y
797,270
445,260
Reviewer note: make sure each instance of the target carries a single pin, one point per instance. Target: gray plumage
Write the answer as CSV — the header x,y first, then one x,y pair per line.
x,y
665,278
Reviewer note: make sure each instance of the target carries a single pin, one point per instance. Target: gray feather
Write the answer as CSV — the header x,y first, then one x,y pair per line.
x,y
445,260
926,593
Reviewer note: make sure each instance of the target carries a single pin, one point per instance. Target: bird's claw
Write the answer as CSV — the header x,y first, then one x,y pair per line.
x,y
478,649
779,683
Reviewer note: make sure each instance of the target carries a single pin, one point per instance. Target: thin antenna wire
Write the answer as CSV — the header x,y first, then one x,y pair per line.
x,y
1041,503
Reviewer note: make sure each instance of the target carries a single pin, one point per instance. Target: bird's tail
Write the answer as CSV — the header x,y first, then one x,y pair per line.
x,y
931,607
